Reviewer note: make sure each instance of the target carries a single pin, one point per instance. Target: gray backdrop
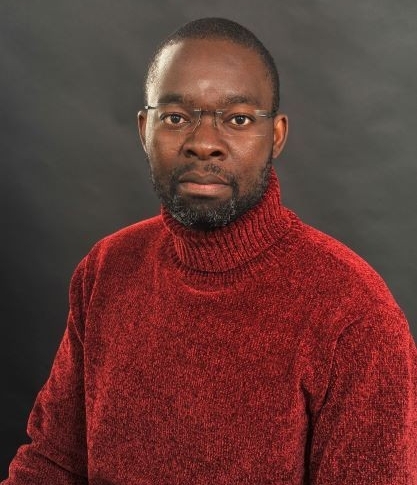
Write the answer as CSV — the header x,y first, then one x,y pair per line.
x,y
72,169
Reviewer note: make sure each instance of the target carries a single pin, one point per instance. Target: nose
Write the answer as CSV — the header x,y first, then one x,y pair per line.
x,y
205,142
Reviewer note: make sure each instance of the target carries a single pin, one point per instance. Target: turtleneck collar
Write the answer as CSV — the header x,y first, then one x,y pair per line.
x,y
237,243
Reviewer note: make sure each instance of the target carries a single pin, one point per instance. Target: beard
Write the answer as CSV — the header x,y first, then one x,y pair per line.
x,y
201,213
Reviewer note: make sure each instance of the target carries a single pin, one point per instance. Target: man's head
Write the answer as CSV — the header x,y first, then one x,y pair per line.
x,y
211,127
217,28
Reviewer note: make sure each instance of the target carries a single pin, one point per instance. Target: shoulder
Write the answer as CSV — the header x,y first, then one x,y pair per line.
x,y
136,235
122,252
339,291
333,272
351,318
132,240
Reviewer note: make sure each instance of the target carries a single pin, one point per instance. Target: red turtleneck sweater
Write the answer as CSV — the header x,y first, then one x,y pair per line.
x,y
264,352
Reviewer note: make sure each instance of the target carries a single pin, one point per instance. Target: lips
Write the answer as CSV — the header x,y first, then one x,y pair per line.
x,y
203,185
202,179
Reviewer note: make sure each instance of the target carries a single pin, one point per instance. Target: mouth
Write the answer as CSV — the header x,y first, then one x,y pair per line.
x,y
203,185
202,179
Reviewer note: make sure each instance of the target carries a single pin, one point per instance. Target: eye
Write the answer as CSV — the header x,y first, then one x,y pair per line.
x,y
240,120
173,119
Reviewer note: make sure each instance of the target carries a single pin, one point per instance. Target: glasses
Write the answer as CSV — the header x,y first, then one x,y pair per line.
x,y
234,120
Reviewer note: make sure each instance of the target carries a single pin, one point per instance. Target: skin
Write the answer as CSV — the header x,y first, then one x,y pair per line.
x,y
205,73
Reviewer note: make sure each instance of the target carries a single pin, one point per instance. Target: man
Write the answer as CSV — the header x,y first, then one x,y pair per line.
x,y
224,341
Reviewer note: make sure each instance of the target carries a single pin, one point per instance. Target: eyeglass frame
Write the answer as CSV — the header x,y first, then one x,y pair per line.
x,y
261,113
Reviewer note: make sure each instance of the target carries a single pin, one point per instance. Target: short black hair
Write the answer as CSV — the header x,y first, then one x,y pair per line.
x,y
224,29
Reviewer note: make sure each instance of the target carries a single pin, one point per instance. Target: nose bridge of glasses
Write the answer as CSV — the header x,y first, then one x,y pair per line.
x,y
215,116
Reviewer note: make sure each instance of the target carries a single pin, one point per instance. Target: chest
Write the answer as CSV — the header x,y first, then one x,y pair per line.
x,y
203,378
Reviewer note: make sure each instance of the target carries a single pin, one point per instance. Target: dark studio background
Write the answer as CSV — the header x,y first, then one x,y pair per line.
x,y
72,169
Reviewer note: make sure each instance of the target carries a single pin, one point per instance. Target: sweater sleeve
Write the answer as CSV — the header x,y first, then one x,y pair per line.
x,y
57,452
366,430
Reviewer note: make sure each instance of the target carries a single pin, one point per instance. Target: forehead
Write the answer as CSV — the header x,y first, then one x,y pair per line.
x,y
207,71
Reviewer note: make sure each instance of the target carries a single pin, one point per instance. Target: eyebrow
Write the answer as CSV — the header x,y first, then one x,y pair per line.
x,y
171,98
224,101
239,99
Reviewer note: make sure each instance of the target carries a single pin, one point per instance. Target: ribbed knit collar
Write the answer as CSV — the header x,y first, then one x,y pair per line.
x,y
235,244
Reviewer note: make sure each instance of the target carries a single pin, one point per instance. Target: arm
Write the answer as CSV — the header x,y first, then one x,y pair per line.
x,y
366,430
57,453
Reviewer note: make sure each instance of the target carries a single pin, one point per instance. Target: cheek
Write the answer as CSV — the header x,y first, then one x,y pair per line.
x,y
253,149
251,157
158,146
251,162
162,154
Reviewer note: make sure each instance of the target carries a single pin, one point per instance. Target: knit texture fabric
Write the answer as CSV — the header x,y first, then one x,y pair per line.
x,y
264,352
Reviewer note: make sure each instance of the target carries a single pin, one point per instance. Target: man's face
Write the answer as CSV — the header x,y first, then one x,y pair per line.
x,y
210,176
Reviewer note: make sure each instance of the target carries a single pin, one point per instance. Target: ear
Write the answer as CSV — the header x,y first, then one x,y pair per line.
x,y
142,117
280,134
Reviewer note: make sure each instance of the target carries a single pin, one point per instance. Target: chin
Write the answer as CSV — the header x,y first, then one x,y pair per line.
x,y
203,215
